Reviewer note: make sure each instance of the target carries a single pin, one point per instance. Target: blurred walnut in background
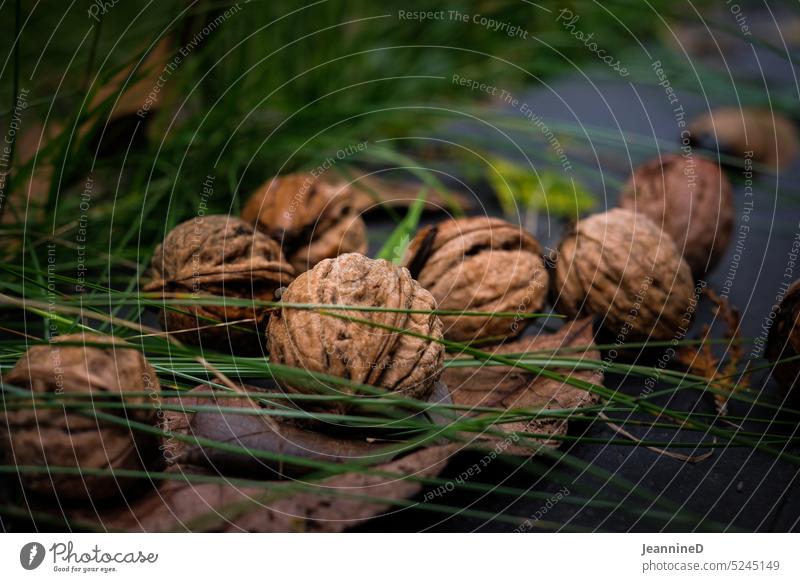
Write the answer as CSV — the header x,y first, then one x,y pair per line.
x,y
311,219
691,200
766,136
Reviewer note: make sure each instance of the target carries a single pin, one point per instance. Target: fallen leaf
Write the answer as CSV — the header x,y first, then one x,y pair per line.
x,y
701,359
348,500
257,432
508,387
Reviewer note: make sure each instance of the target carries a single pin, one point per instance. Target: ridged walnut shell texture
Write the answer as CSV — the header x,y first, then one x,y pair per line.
x,y
771,137
58,437
622,268
479,264
219,255
357,351
691,199
783,341
311,219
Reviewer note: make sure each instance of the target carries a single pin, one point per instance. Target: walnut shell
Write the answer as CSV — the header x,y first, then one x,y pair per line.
x,y
479,264
691,199
771,137
621,267
783,340
357,351
61,437
219,255
312,219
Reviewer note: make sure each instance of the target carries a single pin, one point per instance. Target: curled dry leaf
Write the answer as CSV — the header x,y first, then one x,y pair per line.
x,y
341,501
507,387
762,134
258,432
700,360
218,255
310,218
63,437
621,267
690,199
366,354
479,264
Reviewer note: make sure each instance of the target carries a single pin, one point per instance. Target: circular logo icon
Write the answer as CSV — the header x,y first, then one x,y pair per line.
x,y
31,555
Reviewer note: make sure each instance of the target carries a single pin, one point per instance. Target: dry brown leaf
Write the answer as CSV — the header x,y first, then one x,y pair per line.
x,y
226,508
142,94
701,360
28,198
258,432
508,387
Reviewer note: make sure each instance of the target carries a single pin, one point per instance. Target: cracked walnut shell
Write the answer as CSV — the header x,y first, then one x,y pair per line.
x,y
691,200
62,437
223,256
311,218
622,268
479,264
358,351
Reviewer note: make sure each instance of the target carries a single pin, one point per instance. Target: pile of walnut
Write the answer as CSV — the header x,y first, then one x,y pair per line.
x,y
266,278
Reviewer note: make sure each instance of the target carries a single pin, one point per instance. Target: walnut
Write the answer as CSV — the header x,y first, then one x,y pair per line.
x,y
771,137
621,267
783,341
357,351
691,199
479,264
223,256
312,219
62,437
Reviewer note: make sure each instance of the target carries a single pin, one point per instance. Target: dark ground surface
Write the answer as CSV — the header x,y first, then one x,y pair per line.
x,y
736,487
